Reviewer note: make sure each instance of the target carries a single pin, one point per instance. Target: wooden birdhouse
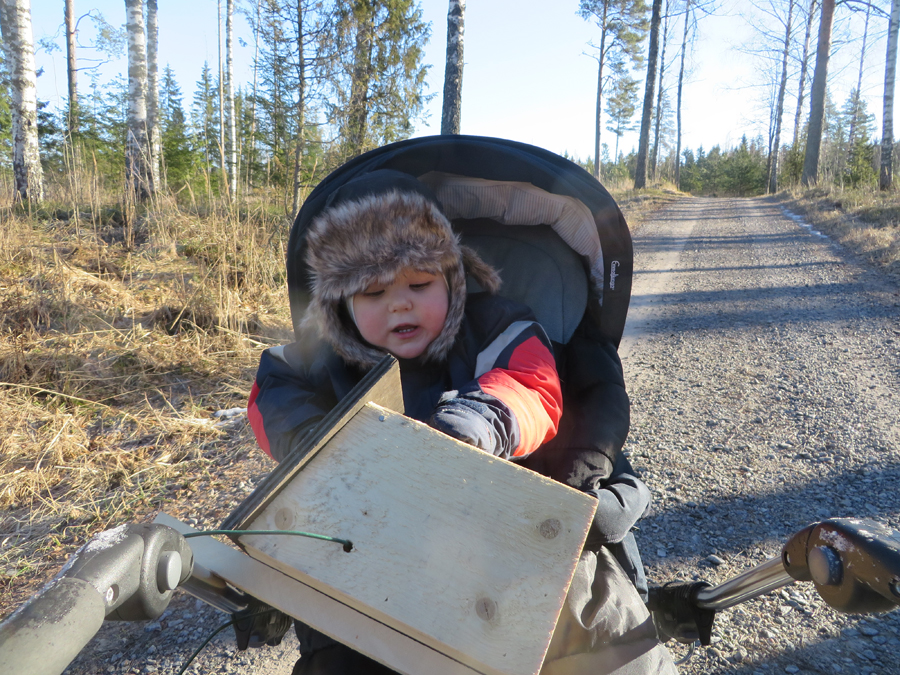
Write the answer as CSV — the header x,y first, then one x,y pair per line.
x,y
455,553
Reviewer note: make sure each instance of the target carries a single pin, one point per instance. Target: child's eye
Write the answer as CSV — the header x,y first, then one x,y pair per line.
x,y
372,294
419,287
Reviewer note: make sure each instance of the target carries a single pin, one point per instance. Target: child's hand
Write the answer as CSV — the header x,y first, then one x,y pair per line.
x,y
463,420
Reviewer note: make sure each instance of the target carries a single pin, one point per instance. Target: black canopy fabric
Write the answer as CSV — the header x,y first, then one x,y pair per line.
x,y
491,159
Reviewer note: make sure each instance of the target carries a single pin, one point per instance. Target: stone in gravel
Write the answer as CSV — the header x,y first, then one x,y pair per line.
x,y
868,630
714,560
791,669
661,553
869,654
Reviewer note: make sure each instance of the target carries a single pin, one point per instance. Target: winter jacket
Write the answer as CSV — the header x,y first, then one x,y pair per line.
x,y
498,387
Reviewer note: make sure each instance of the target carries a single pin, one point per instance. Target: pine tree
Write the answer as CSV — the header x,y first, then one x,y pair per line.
x,y
378,86
205,121
860,163
623,26
621,105
177,153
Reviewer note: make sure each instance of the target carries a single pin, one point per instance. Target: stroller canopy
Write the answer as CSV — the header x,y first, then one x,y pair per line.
x,y
555,234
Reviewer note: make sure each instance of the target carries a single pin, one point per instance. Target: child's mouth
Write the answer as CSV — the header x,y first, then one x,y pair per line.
x,y
404,329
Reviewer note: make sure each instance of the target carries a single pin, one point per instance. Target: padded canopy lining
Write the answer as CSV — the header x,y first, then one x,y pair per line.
x,y
515,203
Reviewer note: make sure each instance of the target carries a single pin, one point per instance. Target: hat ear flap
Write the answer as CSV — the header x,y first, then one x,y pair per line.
x,y
486,276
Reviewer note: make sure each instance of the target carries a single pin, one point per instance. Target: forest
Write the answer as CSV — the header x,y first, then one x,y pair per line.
x,y
143,225
333,79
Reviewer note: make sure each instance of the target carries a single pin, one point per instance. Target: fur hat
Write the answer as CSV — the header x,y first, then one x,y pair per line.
x,y
377,225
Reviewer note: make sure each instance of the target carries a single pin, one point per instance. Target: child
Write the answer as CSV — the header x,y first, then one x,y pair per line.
x,y
388,275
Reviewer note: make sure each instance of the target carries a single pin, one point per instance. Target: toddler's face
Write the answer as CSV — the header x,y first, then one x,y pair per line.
x,y
404,316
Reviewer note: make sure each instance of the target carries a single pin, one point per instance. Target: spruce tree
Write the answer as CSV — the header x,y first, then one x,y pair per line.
x,y
177,153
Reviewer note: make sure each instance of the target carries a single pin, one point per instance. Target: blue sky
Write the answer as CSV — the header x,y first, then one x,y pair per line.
x,y
526,75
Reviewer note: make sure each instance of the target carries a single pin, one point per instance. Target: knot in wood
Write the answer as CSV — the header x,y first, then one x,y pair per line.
x,y
284,519
486,609
550,528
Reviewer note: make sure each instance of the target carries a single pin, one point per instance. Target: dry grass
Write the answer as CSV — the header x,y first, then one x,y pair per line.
x,y
865,221
115,348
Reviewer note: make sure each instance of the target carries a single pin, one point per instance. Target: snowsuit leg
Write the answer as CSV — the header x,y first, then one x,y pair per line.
x,y
320,655
604,627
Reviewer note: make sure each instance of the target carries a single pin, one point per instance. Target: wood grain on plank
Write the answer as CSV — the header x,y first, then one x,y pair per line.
x,y
381,385
467,553
346,624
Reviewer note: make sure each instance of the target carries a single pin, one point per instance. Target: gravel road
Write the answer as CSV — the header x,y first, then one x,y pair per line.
x,y
764,369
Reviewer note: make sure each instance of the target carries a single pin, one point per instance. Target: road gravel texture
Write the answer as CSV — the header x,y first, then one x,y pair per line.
x,y
764,370
763,365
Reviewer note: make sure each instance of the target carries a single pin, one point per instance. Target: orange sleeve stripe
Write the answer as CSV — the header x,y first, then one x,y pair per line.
x,y
530,388
256,421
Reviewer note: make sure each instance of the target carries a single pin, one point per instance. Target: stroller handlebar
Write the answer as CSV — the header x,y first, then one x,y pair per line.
x,y
853,563
126,573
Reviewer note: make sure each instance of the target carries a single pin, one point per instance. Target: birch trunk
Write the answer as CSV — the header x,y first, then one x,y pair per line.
x,y
153,90
138,176
223,160
252,155
886,175
453,70
654,157
772,187
640,172
817,103
804,67
684,41
229,79
301,109
71,69
18,40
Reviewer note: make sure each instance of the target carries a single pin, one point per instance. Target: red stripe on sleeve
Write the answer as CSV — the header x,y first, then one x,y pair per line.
x,y
530,387
256,421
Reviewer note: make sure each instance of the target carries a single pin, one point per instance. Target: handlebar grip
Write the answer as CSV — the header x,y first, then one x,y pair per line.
x,y
42,637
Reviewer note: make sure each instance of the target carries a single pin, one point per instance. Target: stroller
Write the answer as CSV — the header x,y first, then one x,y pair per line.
x,y
563,248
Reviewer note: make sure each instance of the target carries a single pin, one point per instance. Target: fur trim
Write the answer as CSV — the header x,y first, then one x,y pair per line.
x,y
356,243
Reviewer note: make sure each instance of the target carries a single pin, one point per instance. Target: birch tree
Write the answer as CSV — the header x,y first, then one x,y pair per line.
x,y
251,155
453,70
886,174
223,155
18,43
299,145
817,96
231,142
71,69
138,173
778,113
688,13
623,27
640,171
660,91
153,132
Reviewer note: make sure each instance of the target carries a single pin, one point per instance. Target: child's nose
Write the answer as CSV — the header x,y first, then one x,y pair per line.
x,y
400,302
